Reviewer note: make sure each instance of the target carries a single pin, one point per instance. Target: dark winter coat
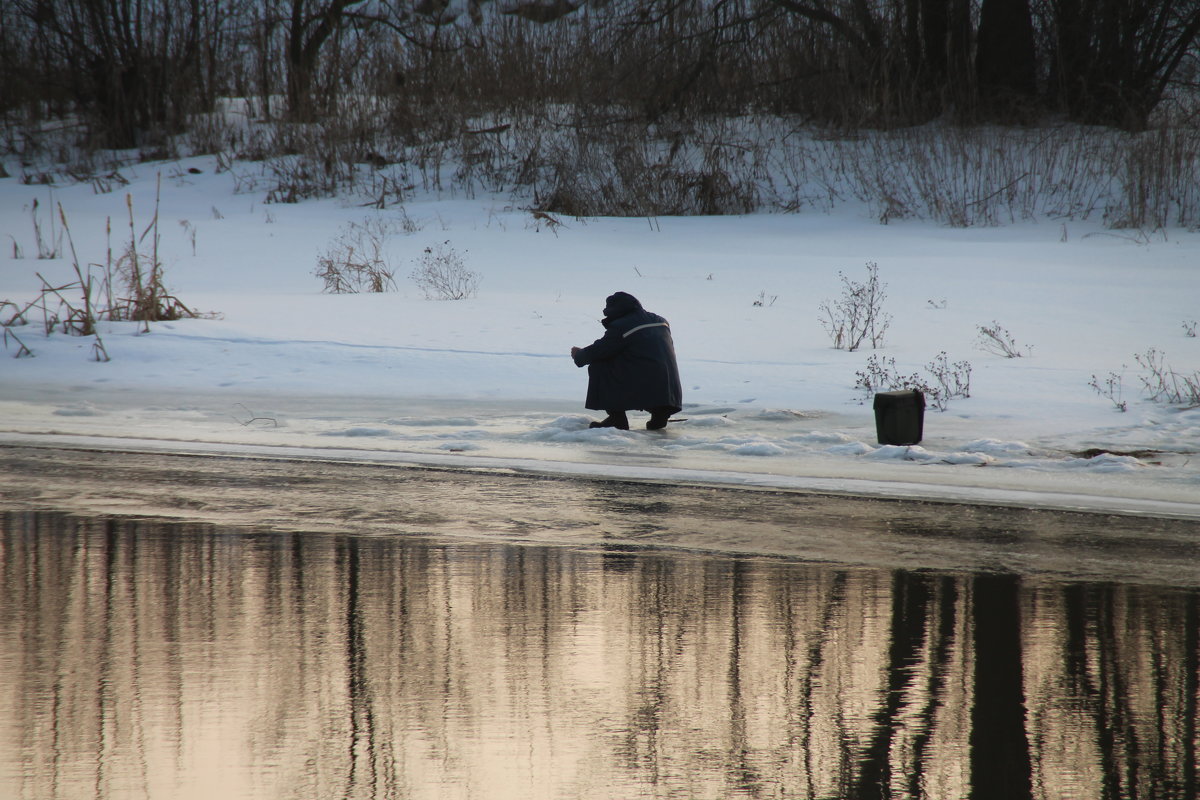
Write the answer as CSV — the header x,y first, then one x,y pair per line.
x,y
633,365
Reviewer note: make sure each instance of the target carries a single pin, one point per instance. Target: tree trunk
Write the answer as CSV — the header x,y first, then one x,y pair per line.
x,y
1006,60
939,33
308,30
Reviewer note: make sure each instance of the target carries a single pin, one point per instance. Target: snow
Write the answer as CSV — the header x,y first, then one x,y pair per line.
x,y
277,367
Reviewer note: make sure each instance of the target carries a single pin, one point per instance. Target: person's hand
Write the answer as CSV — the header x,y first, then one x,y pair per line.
x,y
574,352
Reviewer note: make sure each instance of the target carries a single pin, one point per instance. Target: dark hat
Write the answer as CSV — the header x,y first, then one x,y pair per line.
x,y
619,304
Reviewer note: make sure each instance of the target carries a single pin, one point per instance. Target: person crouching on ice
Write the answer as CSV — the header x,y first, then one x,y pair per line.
x,y
632,366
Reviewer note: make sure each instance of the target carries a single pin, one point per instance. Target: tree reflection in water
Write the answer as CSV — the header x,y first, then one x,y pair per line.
x,y
143,659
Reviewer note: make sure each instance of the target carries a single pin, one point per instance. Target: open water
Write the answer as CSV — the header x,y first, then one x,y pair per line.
x,y
154,658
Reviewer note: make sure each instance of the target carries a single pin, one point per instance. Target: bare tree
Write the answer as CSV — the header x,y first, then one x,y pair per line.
x,y
1113,60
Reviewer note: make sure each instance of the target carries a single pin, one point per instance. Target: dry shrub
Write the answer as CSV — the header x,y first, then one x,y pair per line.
x,y
442,274
628,172
1164,384
128,289
357,259
971,176
857,316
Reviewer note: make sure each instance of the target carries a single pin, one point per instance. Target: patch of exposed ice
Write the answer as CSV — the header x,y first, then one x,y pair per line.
x,y
759,448
995,447
821,437
709,422
459,447
84,410
430,422
850,449
779,415
967,459
359,432
1105,462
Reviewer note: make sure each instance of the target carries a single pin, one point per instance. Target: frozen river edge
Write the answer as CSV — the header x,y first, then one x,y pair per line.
x,y
464,498
1089,494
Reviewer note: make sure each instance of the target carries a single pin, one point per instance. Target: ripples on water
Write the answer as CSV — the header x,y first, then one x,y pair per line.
x,y
150,660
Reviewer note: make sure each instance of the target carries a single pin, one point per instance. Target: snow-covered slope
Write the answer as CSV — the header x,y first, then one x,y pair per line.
x,y
276,363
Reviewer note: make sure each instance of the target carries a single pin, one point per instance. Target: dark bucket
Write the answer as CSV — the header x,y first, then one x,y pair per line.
x,y
900,417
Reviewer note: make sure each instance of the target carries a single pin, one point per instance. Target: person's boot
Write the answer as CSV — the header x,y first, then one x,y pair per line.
x,y
658,418
615,419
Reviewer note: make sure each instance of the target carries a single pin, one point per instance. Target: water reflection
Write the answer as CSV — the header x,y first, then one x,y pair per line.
x,y
144,660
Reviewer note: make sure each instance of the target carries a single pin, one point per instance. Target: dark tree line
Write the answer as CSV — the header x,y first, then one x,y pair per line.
x,y
1114,60
139,69
129,67
1107,62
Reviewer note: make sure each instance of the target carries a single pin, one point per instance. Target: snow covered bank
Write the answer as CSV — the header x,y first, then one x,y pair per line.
x,y
490,378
